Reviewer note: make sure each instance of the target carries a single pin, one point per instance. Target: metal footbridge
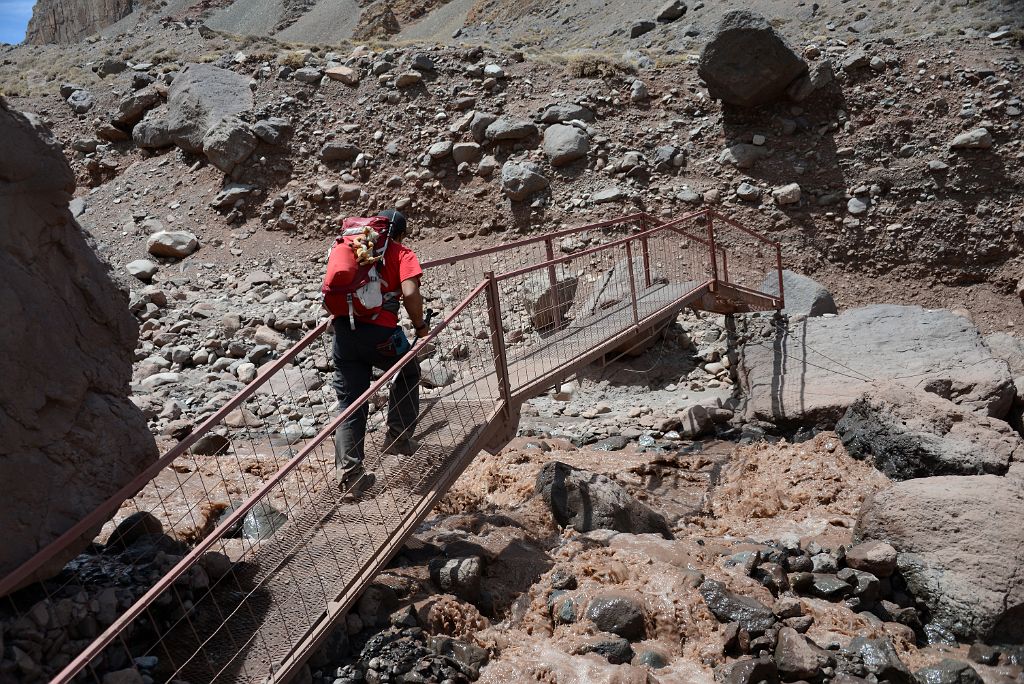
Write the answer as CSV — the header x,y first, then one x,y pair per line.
x,y
518,319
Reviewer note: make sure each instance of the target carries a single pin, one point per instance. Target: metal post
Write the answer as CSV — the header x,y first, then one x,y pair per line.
x,y
725,265
778,267
645,249
632,283
549,250
713,249
498,341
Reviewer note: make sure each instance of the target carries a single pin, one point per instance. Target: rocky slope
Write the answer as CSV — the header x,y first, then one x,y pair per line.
x,y
68,21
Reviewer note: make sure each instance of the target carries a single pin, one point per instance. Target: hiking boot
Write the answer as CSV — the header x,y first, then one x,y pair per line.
x,y
355,483
396,445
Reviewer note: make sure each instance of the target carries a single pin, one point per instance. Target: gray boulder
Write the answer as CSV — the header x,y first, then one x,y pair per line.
x,y
560,113
674,9
961,549
71,438
338,151
152,132
228,143
804,296
505,129
521,180
1009,348
746,63
547,302
80,101
479,124
273,131
912,433
588,501
143,269
812,371
565,144
949,671
751,614
200,96
458,576
880,659
176,244
742,155
133,107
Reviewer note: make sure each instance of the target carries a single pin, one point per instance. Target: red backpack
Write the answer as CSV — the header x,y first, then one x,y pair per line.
x,y
352,286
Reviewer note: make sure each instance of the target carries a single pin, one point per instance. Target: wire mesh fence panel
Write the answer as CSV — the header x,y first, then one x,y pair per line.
x,y
746,259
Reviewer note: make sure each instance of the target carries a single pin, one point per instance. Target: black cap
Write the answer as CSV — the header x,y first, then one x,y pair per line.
x,y
396,222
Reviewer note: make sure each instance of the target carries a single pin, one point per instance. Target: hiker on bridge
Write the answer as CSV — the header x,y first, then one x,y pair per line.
x,y
368,336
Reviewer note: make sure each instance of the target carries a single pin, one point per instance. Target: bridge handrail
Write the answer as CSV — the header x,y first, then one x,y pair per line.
x,y
240,511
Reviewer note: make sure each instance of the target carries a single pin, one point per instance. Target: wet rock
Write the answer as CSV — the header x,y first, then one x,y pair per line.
x,y
960,548
753,671
71,437
865,585
908,434
875,557
797,657
746,63
588,501
565,144
617,613
262,521
880,659
470,656
616,650
983,654
176,244
751,614
828,586
804,296
932,348
458,576
520,181
948,671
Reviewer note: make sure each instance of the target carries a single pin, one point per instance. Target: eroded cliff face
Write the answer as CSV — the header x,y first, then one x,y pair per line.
x,y
67,21
69,435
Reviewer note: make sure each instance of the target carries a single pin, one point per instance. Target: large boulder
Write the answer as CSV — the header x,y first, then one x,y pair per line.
x,y
548,296
520,181
746,63
912,433
804,296
1009,348
565,144
70,437
588,501
228,143
810,372
961,549
200,96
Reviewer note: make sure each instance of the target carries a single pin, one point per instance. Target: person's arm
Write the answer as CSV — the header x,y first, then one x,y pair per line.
x,y
413,301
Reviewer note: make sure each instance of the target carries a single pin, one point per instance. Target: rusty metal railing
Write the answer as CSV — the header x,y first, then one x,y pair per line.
x,y
251,604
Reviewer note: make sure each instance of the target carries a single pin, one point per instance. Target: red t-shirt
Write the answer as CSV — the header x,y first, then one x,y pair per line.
x,y
400,264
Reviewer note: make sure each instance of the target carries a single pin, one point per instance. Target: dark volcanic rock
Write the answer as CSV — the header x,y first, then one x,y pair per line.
x,y
70,437
948,671
587,501
911,433
803,295
747,63
880,659
751,614
798,657
617,613
753,671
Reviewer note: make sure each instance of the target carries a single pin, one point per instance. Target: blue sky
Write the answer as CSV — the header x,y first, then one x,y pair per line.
x,y
14,15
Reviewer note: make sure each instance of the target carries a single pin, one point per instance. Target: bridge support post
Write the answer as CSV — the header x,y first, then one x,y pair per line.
x,y
712,247
632,282
498,341
645,249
